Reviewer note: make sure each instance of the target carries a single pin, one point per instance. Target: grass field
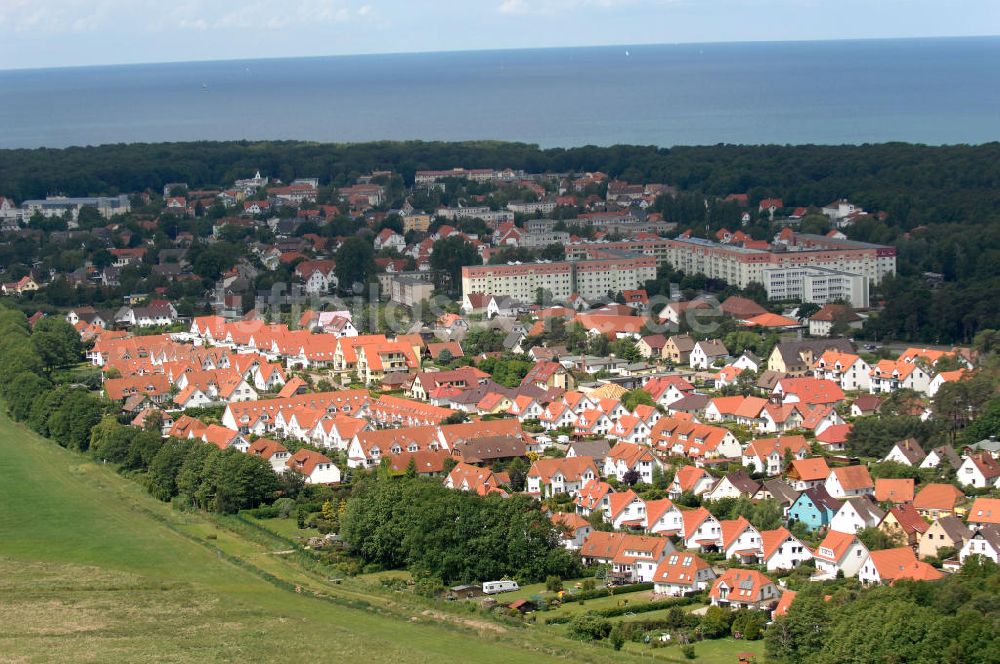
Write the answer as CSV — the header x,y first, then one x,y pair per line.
x,y
93,569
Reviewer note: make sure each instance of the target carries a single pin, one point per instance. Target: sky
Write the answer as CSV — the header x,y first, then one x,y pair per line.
x,y
58,33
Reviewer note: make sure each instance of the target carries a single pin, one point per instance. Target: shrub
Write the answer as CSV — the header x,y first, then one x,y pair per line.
x,y
589,627
553,583
688,651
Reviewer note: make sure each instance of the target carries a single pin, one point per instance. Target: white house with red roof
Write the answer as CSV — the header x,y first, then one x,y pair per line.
x,y
839,552
849,481
782,550
740,540
701,529
568,475
626,510
389,239
594,496
682,573
316,468
690,479
744,589
625,457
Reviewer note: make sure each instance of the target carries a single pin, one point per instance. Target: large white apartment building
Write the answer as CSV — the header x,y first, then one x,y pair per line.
x,y
591,279
740,266
817,284
56,206
483,212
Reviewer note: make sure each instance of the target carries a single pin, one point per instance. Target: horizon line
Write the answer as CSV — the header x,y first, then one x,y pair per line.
x,y
370,54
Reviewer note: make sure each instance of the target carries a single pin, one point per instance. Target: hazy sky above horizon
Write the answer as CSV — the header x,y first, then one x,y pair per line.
x,y
55,33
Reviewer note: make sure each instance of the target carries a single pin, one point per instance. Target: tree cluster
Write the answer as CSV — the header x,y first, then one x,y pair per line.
x,y
453,536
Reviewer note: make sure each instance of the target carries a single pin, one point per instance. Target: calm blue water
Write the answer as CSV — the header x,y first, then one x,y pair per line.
x,y
930,91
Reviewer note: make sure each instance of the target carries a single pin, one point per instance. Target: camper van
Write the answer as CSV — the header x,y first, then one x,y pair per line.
x,y
494,587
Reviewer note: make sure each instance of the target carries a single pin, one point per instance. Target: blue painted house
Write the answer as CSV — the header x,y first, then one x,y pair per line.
x,y
815,508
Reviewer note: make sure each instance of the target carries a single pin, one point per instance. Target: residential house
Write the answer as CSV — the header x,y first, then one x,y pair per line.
x,y
806,473
594,496
690,479
625,458
271,451
937,500
573,528
904,525
782,550
849,481
944,454
680,574
830,316
984,542
984,512
907,452
733,485
706,353
847,370
979,471
945,532
857,514
677,349
701,530
896,491
568,475
741,541
889,565
768,455
814,508
315,468
633,558
626,510
595,449
839,552
744,589
663,517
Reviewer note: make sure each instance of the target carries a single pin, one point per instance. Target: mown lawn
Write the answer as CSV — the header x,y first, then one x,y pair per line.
x,y
94,570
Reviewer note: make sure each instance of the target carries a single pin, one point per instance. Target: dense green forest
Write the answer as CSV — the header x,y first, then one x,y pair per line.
x,y
941,204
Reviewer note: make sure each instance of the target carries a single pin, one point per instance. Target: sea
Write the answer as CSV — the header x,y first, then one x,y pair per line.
x,y
934,91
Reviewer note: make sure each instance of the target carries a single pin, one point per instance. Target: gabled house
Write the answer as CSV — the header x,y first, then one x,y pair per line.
x,y
690,479
740,541
767,455
733,485
701,530
594,496
850,481
744,589
985,542
568,475
782,550
907,452
807,473
706,353
626,510
857,514
903,524
896,491
984,512
979,471
936,500
271,451
624,458
942,455
680,574
944,532
573,528
815,508
316,468
839,552
889,565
